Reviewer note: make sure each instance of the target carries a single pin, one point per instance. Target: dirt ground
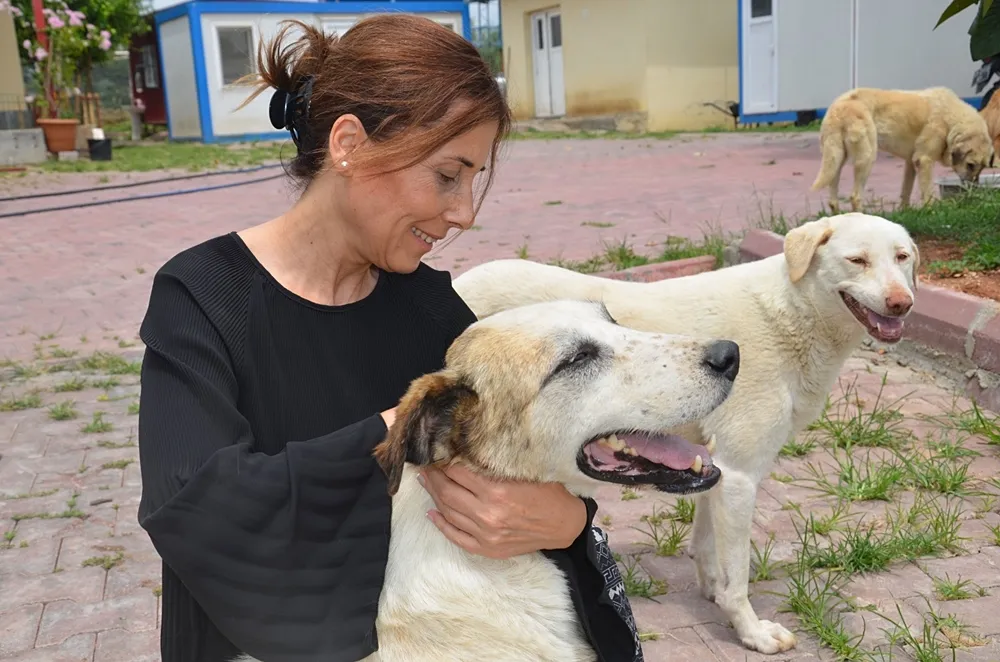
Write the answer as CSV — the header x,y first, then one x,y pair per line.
x,y
984,284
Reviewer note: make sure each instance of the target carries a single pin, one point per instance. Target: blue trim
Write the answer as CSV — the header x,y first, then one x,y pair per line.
x,y
200,72
170,13
739,52
340,7
791,115
252,137
163,81
467,23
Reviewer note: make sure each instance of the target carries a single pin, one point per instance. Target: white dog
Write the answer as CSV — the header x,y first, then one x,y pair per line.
x,y
555,392
797,317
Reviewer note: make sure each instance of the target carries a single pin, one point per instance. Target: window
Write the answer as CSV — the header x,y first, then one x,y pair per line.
x,y
150,67
555,30
540,32
235,53
760,8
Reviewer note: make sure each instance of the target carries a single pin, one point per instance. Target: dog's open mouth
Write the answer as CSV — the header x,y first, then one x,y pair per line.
x,y
881,328
668,462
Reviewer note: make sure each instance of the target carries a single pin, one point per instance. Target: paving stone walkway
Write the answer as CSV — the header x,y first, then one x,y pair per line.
x,y
79,579
86,272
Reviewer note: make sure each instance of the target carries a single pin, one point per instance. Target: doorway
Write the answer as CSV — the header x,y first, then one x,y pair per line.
x,y
547,63
760,57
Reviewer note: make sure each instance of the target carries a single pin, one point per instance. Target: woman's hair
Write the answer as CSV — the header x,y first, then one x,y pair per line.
x,y
400,75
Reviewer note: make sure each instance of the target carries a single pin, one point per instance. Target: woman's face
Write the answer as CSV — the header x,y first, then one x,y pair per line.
x,y
396,218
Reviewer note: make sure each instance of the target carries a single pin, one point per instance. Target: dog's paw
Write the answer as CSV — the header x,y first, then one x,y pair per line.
x,y
770,638
707,582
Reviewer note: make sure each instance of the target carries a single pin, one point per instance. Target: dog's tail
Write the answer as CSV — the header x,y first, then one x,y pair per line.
x,y
847,130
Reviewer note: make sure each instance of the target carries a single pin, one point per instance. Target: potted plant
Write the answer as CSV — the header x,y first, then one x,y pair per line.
x,y
68,36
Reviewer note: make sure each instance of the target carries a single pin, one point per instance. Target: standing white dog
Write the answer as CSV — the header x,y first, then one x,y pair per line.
x,y
797,317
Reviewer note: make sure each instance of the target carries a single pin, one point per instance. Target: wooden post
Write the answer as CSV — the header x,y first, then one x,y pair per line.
x,y
43,40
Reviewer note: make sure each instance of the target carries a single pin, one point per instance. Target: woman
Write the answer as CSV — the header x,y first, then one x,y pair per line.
x,y
275,357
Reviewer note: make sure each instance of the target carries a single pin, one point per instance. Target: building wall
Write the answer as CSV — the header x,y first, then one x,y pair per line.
x,y
663,57
604,53
691,59
177,66
11,84
223,100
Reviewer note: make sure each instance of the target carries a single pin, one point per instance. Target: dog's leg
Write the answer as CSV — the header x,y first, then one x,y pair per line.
x,y
925,172
732,520
702,548
909,173
863,152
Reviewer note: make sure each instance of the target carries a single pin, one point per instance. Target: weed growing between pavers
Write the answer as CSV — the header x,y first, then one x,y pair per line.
x,y
620,255
63,411
862,451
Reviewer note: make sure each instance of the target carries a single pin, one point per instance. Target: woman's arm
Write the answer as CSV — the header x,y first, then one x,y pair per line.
x,y
286,553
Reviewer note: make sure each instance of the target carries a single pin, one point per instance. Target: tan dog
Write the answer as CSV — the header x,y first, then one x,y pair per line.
x,y
557,392
922,127
797,318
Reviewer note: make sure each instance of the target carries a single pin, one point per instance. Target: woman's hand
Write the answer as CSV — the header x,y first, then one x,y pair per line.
x,y
502,519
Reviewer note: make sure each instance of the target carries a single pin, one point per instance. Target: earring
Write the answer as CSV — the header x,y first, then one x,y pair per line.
x,y
343,164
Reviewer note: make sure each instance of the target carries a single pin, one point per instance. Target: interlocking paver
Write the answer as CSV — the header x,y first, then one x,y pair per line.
x,y
79,579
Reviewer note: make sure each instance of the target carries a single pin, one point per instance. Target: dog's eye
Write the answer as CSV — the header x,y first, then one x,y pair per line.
x,y
858,260
902,257
583,354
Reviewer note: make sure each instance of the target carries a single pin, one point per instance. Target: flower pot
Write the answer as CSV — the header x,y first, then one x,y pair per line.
x,y
60,135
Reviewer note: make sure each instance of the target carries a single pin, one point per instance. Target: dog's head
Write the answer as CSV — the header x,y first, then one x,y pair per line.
x,y
859,265
560,392
969,150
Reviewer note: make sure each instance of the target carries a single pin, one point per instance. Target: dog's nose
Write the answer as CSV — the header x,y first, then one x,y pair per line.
x,y
898,303
723,357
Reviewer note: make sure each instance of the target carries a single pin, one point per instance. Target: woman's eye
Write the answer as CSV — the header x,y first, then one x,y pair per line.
x,y
445,179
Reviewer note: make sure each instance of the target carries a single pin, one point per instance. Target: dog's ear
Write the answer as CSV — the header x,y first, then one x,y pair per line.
x,y
958,155
916,264
432,416
801,244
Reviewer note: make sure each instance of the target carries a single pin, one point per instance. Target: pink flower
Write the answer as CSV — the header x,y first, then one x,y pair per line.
x,y
56,22
105,34
41,54
91,27
15,11
27,44
105,45
75,18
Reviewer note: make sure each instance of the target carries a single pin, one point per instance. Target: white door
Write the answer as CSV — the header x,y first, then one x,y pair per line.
x,y
760,58
547,63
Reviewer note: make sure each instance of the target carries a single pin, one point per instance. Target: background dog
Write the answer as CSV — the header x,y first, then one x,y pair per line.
x,y
922,127
555,392
797,317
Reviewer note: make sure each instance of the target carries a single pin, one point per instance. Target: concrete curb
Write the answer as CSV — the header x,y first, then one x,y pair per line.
x,y
648,273
945,320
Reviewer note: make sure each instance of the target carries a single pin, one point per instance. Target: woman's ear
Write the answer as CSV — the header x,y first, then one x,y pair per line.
x,y
346,135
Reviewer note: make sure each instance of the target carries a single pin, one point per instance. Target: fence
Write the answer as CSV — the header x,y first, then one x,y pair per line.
x,y
15,113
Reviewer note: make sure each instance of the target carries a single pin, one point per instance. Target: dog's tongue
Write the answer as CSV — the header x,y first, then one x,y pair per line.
x,y
669,450
889,327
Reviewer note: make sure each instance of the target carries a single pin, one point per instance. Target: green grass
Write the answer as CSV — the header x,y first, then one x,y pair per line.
x,y
618,256
970,221
192,157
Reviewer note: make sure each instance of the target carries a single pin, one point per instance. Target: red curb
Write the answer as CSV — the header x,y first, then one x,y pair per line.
x,y
648,273
949,321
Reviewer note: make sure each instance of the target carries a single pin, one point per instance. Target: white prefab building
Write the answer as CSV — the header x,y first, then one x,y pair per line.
x,y
797,56
206,45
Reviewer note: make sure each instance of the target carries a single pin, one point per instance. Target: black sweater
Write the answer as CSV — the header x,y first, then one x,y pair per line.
x,y
259,413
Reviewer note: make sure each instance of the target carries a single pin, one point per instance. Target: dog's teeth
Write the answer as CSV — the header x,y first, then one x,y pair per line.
x,y
710,446
630,451
614,442
696,467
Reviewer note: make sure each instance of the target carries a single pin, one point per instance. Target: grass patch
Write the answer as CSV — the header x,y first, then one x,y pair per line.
x,y
191,157
618,256
71,511
117,464
111,364
63,411
97,424
20,403
638,583
107,561
71,385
